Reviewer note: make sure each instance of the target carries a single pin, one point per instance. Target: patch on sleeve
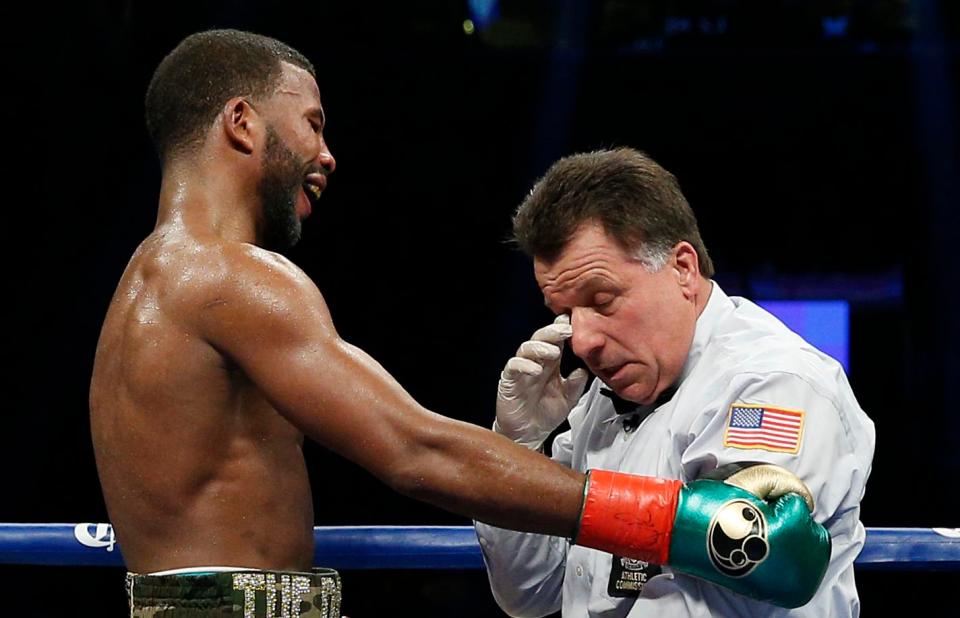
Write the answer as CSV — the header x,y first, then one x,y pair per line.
x,y
763,427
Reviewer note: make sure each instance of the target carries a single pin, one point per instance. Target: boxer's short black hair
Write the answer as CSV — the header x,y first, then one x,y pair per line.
x,y
637,201
203,72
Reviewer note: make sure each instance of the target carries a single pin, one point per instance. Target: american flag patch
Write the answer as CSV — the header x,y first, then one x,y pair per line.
x,y
763,427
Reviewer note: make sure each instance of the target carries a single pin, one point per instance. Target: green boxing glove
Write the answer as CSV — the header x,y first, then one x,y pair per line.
x,y
746,526
754,521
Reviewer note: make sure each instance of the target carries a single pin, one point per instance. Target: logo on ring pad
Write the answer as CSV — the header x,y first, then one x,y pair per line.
x,y
737,538
101,537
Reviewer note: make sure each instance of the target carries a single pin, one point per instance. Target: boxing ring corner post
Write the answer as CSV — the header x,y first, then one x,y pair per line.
x,y
426,547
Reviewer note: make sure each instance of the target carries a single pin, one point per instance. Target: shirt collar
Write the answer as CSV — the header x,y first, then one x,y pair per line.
x,y
718,305
633,413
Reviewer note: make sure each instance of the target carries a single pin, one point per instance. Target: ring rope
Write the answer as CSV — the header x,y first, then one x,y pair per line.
x,y
426,547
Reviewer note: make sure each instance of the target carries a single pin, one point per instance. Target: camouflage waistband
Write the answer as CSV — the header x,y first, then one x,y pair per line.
x,y
246,594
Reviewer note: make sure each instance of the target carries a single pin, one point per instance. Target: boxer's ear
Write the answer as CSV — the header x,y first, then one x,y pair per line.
x,y
240,124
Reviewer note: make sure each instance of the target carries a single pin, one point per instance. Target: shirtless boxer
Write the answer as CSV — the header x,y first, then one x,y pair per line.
x,y
217,356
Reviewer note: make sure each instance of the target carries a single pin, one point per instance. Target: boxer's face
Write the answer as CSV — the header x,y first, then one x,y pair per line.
x,y
295,160
632,328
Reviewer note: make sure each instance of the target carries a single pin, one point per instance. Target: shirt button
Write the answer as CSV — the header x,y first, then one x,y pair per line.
x,y
579,571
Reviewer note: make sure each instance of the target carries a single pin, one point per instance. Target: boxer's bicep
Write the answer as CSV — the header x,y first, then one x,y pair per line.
x,y
272,325
278,331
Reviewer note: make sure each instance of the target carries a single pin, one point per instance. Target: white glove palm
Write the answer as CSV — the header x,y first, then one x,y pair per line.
x,y
532,397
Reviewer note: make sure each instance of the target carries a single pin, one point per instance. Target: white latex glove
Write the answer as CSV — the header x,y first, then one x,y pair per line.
x,y
532,397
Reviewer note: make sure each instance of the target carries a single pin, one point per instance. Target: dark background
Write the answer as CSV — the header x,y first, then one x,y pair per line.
x,y
820,157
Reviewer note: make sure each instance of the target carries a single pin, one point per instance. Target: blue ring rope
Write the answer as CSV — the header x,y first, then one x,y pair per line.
x,y
427,547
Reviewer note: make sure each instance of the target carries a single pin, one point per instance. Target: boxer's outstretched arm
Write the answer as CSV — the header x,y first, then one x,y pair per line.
x,y
266,316
269,318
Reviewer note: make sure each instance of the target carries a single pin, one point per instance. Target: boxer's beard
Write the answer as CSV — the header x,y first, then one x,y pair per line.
x,y
278,189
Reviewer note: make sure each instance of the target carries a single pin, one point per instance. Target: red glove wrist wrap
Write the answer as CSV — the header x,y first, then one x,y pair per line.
x,y
628,515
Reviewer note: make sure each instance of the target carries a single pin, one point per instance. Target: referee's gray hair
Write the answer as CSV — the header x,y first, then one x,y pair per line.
x,y
652,256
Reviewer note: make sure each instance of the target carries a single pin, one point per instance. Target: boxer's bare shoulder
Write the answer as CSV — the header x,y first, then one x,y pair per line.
x,y
251,297
185,281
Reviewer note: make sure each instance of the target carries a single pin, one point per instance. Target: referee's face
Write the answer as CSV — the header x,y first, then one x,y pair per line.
x,y
633,327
